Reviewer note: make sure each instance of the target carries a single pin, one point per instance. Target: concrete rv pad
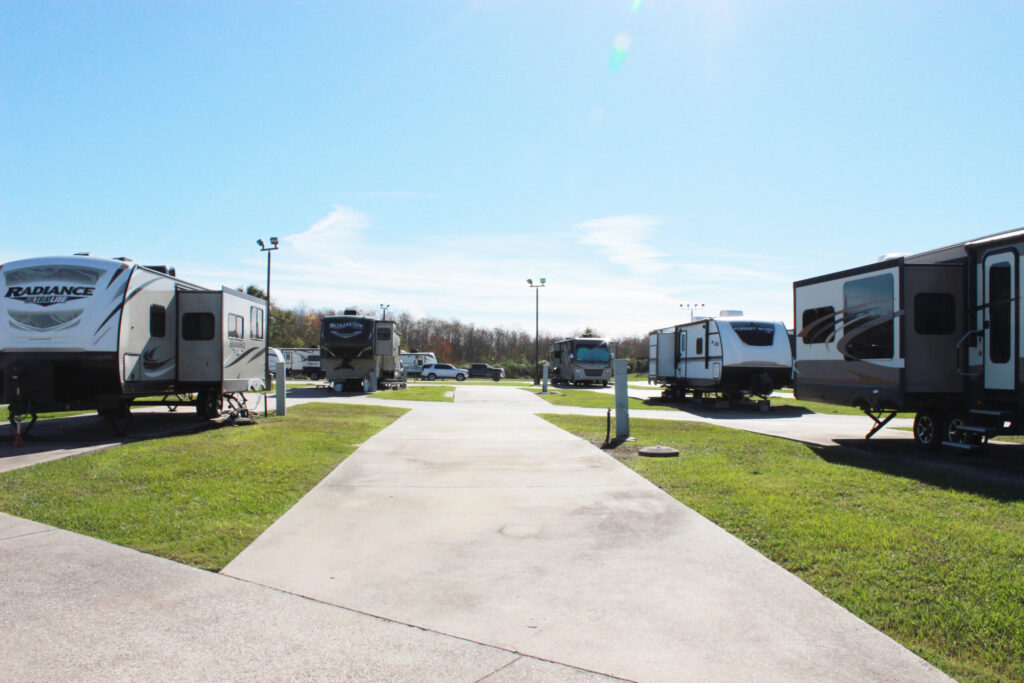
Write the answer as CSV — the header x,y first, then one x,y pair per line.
x,y
481,520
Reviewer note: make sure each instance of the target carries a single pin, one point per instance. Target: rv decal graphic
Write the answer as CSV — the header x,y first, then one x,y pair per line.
x,y
346,330
239,358
48,295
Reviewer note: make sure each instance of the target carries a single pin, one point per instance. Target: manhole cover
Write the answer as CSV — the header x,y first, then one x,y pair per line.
x,y
658,452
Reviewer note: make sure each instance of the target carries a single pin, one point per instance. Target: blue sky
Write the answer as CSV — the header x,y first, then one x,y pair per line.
x,y
434,155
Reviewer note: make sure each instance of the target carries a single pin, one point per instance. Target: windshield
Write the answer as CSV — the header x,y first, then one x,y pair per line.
x,y
592,352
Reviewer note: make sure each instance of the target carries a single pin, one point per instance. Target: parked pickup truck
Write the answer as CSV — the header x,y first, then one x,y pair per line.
x,y
485,370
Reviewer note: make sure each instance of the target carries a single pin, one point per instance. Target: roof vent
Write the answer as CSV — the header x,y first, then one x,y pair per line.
x,y
890,257
351,311
123,258
82,253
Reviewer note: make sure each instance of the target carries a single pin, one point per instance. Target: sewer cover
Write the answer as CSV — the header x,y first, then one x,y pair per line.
x,y
658,452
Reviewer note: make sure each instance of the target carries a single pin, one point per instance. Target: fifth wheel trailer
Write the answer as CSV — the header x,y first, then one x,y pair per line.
x,y
936,333
360,353
733,357
81,332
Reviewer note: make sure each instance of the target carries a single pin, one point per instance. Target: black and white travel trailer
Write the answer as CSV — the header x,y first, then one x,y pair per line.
x,y
413,361
729,356
582,360
359,353
937,333
299,361
80,332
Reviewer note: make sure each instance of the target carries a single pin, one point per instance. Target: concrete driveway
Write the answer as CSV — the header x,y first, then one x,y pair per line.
x,y
480,520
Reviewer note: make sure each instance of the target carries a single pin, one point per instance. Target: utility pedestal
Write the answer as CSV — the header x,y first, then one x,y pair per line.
x,y
280,381
544,390
620,374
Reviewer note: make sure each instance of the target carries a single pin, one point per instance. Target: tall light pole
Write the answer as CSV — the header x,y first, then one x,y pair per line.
x,y
536,357
266,332
691,308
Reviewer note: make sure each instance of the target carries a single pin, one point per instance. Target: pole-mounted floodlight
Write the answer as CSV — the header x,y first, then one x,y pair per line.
x,y
384,311
266,332
691,308
536,357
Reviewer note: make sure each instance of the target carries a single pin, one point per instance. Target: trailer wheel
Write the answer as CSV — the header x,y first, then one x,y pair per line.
x,y
208,404
955,435
929,430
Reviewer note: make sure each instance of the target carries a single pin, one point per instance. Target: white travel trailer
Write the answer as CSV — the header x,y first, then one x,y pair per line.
x,y
413,361
360,353
582,360
79,332
937,333
304,361
730,356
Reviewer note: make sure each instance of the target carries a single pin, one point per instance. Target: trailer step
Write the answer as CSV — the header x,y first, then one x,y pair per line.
x,y
968,447
1003,414
983,431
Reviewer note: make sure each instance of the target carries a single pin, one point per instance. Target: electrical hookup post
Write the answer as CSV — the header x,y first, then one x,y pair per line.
x,y
280,382
620,374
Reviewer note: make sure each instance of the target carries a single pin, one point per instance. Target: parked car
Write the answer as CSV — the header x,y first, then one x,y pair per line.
x,y
443,371
485,370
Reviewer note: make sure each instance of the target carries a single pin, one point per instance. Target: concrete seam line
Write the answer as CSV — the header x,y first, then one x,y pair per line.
x,y
428,630
500,668
30,533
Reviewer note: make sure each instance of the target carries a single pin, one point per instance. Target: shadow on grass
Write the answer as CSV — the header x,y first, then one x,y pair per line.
x,y
86,431
996,473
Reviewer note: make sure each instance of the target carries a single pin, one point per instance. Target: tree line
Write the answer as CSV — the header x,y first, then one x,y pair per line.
x,y
452,341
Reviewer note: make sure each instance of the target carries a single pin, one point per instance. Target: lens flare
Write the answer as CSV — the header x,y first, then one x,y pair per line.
x,y
620,46
635,5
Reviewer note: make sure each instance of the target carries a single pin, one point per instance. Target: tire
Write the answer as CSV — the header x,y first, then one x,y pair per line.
x,y
208,404
604,382
929,430
496,377
459,377
431,377
952,434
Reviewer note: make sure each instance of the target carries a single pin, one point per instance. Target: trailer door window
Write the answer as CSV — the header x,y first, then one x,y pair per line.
x,y
818,325
255,322
700,345
197,326
934,313
157,321
236,326
1000,288
867,320
384,333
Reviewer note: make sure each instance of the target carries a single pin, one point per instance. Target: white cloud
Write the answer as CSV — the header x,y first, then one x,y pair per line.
x,y
340,227
623,240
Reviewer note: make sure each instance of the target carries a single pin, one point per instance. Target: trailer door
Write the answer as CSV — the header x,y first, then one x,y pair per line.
x,y
666,354
1000,320
933,322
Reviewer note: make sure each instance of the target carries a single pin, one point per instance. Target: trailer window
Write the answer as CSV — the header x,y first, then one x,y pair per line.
x,y
384,333
754,334
934,313
236,326
868,316
255,322
197,326
818,325
682,344
700,345
157,321
1000,294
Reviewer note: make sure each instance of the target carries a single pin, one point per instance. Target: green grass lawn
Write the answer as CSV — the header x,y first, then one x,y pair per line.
x,y
928,558
823,408
418,393
582,398
200,498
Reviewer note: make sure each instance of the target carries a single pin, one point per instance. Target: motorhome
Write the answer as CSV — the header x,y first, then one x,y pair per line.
x,y
730,356
299,361
582,360
936,333
413,361
360,353
81,332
